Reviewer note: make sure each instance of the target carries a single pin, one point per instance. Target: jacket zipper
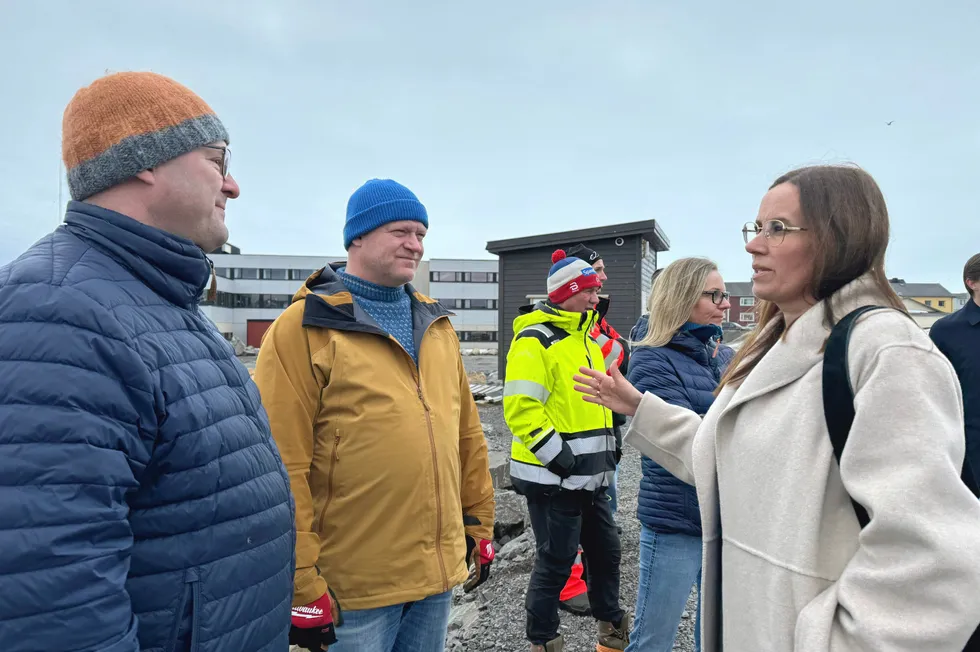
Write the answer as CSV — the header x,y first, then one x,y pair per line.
x,y
333,466
435,475
585,341
432,448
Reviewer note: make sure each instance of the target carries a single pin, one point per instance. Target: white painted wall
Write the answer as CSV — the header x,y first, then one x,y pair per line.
x,y
235,320
265,261
440,290
462,265
480,320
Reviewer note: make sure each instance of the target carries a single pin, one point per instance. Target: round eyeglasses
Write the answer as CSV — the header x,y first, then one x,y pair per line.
x,y
774,230
225,157
717,296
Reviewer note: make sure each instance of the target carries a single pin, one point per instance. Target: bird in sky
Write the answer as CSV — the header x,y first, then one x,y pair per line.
x,y
889,123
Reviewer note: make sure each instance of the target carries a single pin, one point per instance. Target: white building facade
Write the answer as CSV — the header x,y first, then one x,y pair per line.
x,y
254,289
468,288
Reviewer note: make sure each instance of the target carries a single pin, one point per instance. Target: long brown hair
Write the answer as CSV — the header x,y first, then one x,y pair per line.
x,y
847,218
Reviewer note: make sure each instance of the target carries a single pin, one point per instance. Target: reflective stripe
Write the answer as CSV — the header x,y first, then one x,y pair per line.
x,y
526,388
541,475
592,445
588,482
582,434
548,449
541,328
614,352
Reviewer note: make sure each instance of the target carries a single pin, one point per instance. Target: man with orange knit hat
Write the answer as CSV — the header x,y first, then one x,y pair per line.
x,y
143,503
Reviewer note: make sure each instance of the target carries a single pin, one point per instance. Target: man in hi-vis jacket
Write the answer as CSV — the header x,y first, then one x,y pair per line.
x,y
564,455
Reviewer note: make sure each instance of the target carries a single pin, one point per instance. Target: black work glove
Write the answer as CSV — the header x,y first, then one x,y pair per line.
x,y
478,560
564,462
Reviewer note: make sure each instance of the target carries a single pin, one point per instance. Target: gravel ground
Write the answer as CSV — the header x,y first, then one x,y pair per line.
x,y
499,604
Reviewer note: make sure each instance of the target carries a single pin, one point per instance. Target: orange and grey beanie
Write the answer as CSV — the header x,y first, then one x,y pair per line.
x,y
128,122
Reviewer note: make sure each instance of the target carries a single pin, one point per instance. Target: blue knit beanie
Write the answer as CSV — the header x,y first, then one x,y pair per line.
x,y
378,202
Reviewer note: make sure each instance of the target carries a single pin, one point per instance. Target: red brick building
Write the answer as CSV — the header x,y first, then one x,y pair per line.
x,y
743,303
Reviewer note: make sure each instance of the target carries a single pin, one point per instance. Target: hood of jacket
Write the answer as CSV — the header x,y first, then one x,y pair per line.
x,y
545,312
329,304
172,266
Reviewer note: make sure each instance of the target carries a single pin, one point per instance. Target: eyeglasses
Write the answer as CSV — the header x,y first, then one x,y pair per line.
x,y
717,296
225,157
774,230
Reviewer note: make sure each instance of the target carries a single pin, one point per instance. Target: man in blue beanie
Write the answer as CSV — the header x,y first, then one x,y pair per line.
x,y
372,412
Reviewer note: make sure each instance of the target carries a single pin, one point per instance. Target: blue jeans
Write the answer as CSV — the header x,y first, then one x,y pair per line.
x,y
411,627
669,565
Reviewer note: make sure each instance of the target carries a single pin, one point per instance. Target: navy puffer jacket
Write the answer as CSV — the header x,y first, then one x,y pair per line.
x,y
685,372
143,504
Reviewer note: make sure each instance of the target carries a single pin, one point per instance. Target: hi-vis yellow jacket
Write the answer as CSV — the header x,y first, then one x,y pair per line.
x,y
559,439
385,457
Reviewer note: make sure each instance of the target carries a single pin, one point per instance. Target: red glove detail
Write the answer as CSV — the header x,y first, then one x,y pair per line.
x,y
486,551
479,556
316,614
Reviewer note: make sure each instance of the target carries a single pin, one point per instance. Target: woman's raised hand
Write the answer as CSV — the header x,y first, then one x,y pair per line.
x,y
610,390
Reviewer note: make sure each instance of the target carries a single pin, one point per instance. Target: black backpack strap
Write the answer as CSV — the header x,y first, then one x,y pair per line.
x,y
838,395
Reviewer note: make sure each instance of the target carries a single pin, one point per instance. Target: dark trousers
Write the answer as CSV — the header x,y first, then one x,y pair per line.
x,y
560,521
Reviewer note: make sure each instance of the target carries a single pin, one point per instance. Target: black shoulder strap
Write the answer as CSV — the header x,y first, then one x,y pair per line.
x,y
838,396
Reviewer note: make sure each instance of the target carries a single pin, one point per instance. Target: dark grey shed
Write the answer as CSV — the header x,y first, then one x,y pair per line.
x,y
629,252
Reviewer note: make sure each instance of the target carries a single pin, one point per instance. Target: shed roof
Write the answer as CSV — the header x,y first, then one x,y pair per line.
x,y
649,229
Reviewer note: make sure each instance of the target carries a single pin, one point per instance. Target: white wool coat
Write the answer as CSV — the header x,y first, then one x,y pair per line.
x,y
785,563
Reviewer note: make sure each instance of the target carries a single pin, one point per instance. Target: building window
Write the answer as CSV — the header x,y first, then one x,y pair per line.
x,y
248,273
929,302
942,304
747,301
300,274
747,317
224,272
274,274
477,336
463,277
470,304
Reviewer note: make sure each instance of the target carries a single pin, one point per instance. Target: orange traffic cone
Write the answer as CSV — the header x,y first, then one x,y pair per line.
x,y
574,597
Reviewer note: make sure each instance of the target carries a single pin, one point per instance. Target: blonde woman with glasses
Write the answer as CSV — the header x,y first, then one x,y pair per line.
x,y
679,358
790,562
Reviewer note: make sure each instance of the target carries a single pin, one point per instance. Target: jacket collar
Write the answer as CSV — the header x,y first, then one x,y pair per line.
x,y
801,347
602,307
972,311
172,266
329,304
546,312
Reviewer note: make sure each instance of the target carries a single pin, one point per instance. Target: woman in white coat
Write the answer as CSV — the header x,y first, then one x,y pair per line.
x,y
786,565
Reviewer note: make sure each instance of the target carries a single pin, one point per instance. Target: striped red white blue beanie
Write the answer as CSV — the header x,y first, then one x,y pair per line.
x,y
569,276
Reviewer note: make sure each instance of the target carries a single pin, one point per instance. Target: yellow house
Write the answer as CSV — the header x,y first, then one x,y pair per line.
x,y
932,295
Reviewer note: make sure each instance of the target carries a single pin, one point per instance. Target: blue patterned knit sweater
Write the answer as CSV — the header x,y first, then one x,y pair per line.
x,y
390,307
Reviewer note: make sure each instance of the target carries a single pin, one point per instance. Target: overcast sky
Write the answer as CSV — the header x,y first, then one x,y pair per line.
x,y
517,118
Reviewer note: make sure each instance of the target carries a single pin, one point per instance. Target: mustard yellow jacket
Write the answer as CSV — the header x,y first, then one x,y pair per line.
x,y
384,457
